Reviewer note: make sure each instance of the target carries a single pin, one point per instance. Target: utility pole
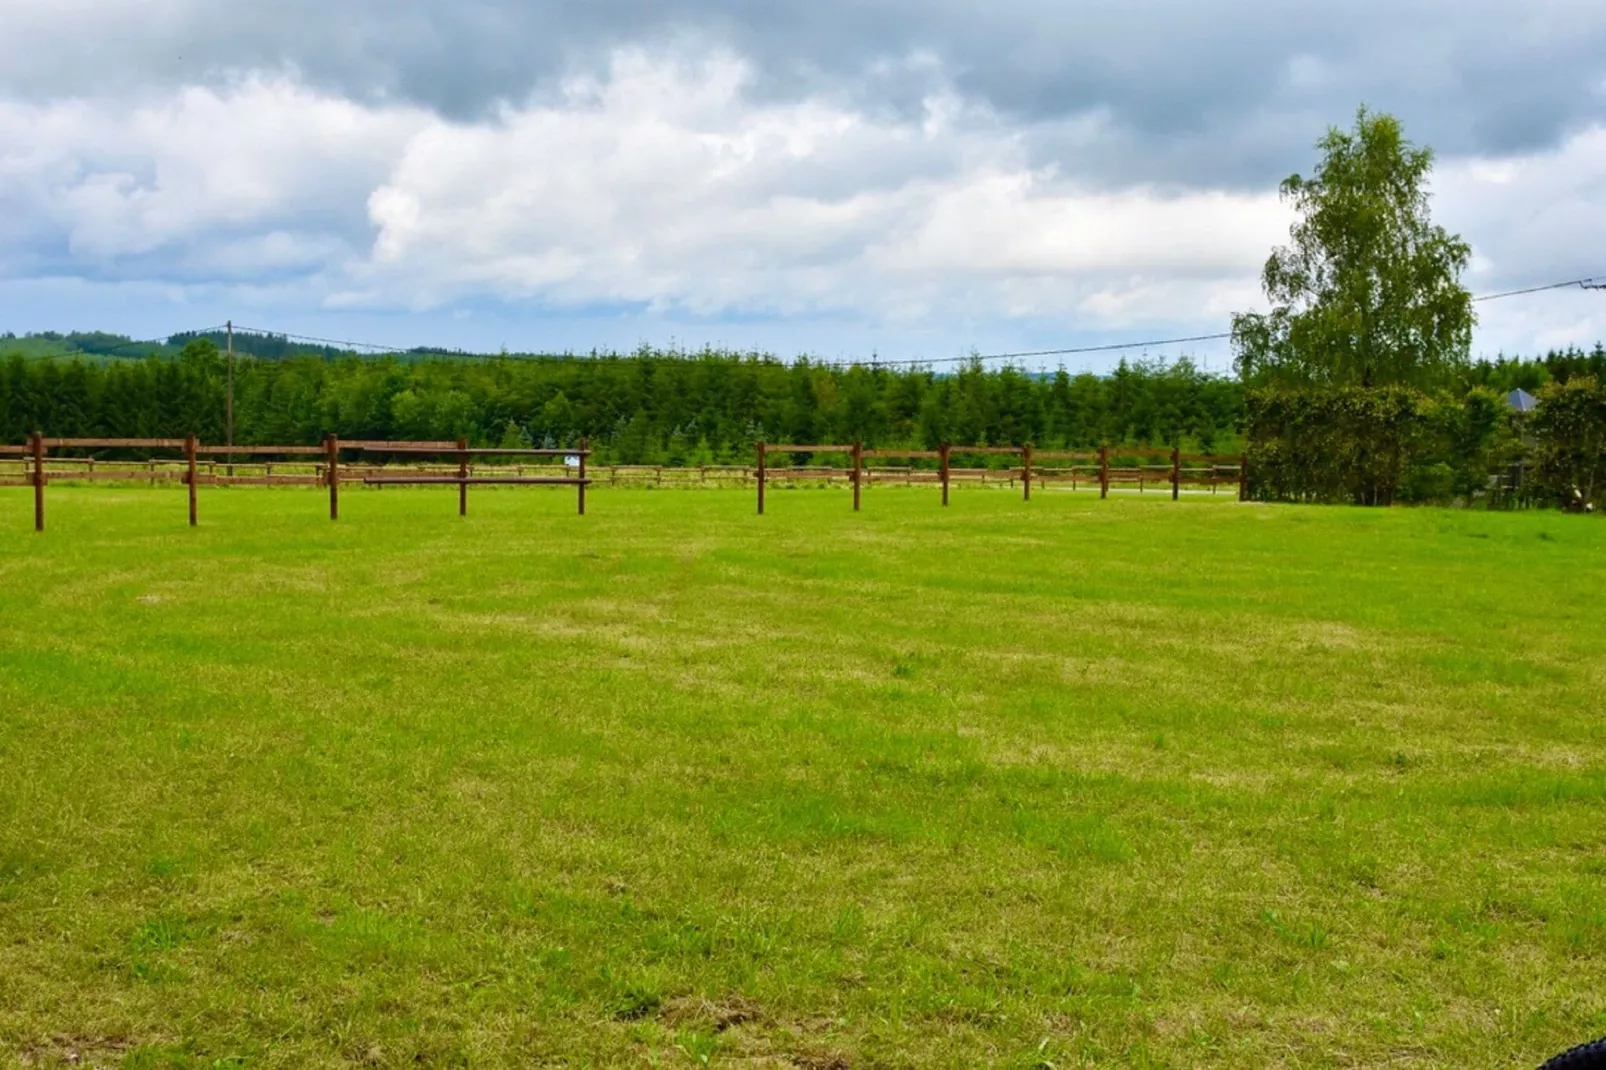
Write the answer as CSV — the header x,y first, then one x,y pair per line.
x,y
229,415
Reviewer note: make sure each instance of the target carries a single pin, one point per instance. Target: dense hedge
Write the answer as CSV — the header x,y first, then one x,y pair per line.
x,y
1568,441
1395,444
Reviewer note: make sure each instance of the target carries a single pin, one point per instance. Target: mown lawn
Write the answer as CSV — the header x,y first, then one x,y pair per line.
x,y
1067,783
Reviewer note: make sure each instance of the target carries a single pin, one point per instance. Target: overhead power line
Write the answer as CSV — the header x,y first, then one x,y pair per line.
x,y
1589,283
371,346
1110,348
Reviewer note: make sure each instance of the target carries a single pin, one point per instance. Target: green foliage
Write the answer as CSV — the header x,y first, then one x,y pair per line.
x,y
1475,435
645,408
1333,444
1368,293
1563,365
1374,447
203,355
1569,427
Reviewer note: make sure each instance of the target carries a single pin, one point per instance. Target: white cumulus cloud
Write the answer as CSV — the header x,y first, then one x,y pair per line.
x,y
666,184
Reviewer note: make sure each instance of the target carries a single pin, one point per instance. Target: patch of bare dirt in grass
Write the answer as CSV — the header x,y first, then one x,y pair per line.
x,y
718,1015
72,1050
821,1062
793,1044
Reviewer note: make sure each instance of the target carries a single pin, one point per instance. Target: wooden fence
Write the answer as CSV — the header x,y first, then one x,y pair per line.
x,y
464,478
329,473
323,466
1211,470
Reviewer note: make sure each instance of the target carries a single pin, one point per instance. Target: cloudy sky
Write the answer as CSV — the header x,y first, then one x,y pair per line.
x,y
912,178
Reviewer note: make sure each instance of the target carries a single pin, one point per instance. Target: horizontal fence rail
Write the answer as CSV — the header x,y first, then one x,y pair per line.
x,y
116,443
262,451
455,452
472,480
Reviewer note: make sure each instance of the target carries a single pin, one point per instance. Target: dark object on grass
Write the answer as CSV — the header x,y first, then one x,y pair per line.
x,y
1590,1056
1577,503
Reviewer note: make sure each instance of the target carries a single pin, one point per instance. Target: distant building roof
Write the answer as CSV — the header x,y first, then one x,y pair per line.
x,y
1522,401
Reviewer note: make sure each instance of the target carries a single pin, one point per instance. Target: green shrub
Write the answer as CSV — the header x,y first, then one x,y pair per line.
x,y
1374,446
1569,441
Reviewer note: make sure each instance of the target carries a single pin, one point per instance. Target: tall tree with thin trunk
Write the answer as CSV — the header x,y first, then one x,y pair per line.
x,y
1369,291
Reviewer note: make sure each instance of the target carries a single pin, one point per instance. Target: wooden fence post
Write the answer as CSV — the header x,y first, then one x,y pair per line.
x,y
462,476
38,444
761,479
1026,471
1176,472
331,449
1243,478
858,468
189,463
584,449
1104,471
945,450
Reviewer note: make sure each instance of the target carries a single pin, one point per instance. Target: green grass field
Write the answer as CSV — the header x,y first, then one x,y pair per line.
x,y
1068,783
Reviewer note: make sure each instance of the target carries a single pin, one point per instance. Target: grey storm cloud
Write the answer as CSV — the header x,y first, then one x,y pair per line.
x,y
1189,91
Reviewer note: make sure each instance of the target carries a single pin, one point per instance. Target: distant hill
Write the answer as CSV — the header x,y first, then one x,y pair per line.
x,y
92,346
284,347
